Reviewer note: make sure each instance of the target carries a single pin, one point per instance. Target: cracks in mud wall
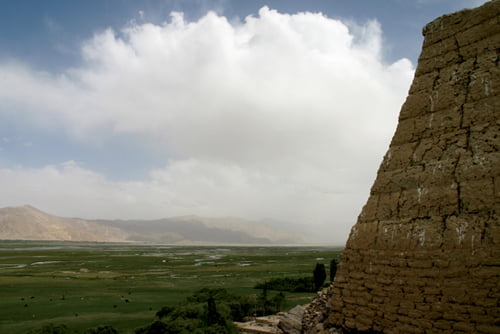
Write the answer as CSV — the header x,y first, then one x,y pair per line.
x,y
424,253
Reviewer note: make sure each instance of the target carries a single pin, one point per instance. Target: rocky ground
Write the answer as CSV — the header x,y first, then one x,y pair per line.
x,y
305,319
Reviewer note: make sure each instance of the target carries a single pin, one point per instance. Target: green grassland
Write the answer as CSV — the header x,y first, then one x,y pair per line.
x,y
84,285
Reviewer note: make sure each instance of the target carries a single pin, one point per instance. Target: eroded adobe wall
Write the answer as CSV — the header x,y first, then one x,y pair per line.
x,y
424,255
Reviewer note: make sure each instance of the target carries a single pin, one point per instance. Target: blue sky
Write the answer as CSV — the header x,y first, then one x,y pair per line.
x,y
265,110
47,34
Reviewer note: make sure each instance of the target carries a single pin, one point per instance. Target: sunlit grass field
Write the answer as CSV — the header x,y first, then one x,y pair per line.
x,y
84,285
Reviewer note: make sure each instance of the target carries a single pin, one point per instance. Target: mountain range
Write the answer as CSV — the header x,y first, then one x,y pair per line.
x,y
29,223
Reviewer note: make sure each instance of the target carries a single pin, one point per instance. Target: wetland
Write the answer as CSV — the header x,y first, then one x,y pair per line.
x,y
85,285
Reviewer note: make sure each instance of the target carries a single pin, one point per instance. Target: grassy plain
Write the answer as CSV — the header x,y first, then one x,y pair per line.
x,y
84,285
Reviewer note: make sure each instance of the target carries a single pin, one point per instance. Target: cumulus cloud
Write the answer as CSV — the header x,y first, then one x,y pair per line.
x,y
279,116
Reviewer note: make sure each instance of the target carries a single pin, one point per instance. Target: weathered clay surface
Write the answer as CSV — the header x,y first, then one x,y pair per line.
x,y
424,255
291,322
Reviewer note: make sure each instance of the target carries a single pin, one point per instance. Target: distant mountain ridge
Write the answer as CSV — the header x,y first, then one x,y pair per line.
x,y
29,223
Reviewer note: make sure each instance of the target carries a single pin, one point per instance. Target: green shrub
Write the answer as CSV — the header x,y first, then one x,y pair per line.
x,y
302,284
200,314
319,275
101,330
51,329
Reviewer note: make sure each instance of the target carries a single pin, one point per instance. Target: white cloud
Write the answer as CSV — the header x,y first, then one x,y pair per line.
x,y
281,116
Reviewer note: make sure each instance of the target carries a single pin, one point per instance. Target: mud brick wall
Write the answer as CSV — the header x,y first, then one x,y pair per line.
x,y
424,255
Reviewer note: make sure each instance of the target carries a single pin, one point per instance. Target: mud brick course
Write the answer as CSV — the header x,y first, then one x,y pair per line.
x,y
424,255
